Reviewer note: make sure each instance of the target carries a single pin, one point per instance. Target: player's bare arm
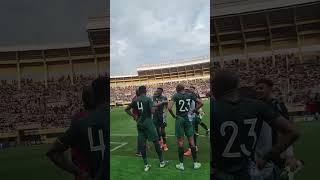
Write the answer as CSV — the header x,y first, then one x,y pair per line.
x,y
289,135
57,155
128,111
199,104
161,103
170,105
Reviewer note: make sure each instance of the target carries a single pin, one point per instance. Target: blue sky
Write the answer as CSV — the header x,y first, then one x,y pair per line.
x,y
148,32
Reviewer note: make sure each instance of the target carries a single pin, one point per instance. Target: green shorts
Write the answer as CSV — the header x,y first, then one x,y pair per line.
x,y
160,121
183,127
147,131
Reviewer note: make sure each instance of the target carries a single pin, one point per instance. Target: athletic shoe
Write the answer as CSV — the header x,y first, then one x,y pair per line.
x,y
138,154
197,148
163,164
207,132
165,147
188,152
180,166
196,133
196,165
147,167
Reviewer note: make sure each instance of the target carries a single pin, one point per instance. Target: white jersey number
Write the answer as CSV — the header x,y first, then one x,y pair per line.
x,y
101,147
140,106
234,126
182,104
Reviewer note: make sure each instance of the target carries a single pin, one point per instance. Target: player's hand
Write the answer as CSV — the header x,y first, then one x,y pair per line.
x,y
292,163
260,163
84,176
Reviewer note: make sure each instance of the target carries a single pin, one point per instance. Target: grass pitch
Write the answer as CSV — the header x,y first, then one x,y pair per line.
x,y
30,163
125,165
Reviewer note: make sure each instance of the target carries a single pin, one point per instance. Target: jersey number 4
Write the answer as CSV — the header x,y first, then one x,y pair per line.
x,y
234,126
184,105
140,106
101,147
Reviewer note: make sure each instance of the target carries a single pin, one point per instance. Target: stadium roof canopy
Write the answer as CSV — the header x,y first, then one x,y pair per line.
x,y
100,22
229,7
43,47
186,62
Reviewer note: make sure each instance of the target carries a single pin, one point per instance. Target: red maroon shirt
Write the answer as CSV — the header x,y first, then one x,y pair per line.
x,y
77,156
134,110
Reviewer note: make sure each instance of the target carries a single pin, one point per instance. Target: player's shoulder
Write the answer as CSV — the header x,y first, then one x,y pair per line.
x,y
163,97
251,101
79,115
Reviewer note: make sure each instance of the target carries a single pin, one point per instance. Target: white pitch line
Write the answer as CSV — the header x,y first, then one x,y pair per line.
x,y
116,142
124,135
122,144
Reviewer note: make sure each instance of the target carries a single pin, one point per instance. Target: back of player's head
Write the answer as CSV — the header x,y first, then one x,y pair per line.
x,y
160,89
88,98
248,92
137,92
142,90
265,81
223,82
180,87
192,87
101,90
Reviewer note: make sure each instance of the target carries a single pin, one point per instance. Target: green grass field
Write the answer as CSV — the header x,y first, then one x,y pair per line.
x,y
31,163
125,165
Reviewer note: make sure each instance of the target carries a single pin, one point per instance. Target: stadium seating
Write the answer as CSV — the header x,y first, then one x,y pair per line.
x,y
50,107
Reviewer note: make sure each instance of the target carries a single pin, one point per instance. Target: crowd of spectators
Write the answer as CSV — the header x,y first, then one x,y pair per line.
x,y
33,103
126,93
294,79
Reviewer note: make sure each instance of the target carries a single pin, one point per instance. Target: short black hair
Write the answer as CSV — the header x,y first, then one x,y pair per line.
x,y
137,92
248,92
142,90
265,81
180,87
224,81
101,89
160,88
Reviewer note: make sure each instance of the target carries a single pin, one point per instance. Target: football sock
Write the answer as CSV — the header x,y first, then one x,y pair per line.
x,y
196,128
194,153
144,154
195,140
164,137
158,150
204,126
180,153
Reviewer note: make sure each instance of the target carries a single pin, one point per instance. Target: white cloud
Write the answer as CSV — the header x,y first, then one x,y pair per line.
x,y
144,32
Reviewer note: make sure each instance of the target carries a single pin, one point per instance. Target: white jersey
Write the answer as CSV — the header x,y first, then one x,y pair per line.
x,y
191,114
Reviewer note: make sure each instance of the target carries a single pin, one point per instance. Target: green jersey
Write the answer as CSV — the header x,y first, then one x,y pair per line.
x,y
237,124
144,105
183,102
160,109
89,135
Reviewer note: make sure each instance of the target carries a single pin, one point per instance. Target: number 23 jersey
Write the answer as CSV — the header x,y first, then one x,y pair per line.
x,y
236,128
183,102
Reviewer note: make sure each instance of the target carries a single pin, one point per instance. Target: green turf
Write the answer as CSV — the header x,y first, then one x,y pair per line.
x,y
124,164
21,163
31,163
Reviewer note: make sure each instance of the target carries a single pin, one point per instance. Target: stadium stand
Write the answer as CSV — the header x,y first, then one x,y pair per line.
x,y
40,87
191,72
274,39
